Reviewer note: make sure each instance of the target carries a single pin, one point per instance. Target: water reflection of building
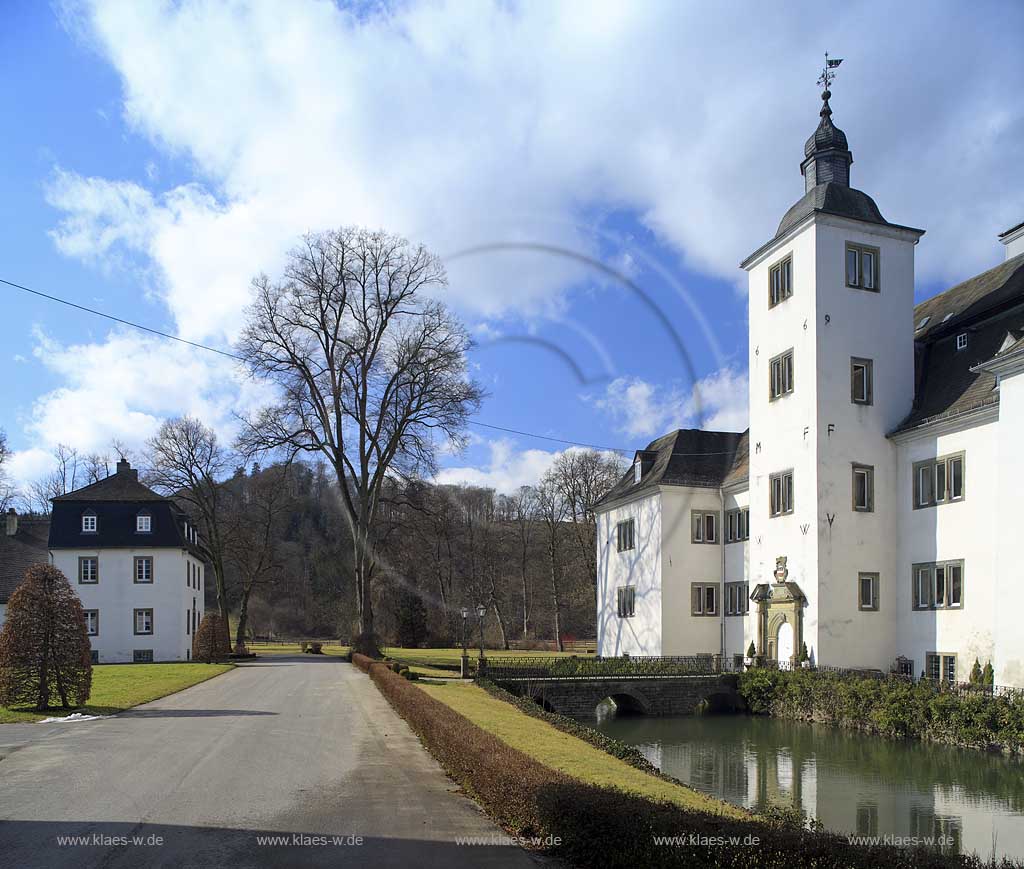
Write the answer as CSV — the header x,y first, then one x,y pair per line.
x,y
851,783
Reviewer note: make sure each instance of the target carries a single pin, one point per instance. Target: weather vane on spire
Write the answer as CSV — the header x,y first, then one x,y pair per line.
x,y
827,74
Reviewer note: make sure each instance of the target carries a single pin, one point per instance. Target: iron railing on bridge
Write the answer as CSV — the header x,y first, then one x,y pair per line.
x,y
500,669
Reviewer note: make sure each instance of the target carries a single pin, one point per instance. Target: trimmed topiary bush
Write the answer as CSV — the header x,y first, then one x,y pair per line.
x,y
44,645
210,640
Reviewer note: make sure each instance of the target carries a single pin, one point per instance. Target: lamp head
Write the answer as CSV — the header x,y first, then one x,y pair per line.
x,y
465,612
481,610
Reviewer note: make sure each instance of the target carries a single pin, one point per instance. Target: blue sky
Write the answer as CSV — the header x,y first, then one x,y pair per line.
x,y
157,156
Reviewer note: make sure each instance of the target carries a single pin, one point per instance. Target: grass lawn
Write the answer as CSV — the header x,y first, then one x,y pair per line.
x,y
116,687
566,753
290,649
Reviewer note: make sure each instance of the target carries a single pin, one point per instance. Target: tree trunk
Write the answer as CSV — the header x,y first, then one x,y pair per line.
x,y
243,619
554,592
501,624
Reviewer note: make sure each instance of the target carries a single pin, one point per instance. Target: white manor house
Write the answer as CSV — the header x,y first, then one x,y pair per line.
x,y
868,512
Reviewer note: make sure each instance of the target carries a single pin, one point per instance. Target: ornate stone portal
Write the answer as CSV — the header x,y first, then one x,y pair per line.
x,y
780,616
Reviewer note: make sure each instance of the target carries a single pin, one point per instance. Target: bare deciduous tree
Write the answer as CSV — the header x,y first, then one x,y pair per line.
x,y
583,477
7,491
188,463
260,506
370,372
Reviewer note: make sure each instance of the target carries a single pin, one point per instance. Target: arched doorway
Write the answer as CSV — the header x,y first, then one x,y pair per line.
x,y
785,642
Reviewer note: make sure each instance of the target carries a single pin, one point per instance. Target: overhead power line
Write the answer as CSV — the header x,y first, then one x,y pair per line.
x,y
229,355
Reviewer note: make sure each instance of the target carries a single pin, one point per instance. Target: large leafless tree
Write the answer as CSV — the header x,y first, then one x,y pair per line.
x,y
370,370
256,522
188,462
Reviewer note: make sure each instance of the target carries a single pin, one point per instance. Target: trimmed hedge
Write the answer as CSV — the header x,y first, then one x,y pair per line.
x,y
890,707
607,827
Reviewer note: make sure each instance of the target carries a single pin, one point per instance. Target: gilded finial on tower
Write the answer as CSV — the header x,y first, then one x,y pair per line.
x,y
825,80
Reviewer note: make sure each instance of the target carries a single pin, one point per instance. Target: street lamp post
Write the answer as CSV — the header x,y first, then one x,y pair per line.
x,y
465,652
481,611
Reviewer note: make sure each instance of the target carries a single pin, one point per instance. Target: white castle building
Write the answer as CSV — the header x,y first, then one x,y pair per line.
x,y
868,511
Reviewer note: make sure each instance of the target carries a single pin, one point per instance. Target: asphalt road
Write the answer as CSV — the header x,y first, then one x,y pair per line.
x,y
293,747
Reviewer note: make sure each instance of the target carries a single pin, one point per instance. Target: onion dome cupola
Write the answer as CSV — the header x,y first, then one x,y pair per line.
x,y
827,154
826,170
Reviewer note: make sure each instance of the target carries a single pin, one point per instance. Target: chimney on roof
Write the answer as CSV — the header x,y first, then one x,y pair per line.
x,y
1013,238
125,467
12,522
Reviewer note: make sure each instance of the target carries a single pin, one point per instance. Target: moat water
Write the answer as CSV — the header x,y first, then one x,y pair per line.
x,y
851,782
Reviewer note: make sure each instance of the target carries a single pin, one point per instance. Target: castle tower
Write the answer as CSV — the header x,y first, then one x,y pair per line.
x,y
831,373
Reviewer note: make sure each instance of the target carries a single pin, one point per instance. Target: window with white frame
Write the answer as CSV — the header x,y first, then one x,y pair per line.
x,y
144,621
88,569
780,370
737,598
867,591
780,493
142,656
625,535
940,666
704,527
143,523
143,569
780,282
625,601
704,599
863,488
862,267
89,522
861,380
938,585
940,480
961,341
737,525
92,622
637,471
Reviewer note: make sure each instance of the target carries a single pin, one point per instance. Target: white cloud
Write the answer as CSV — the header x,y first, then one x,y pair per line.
x,y
466,123
123,388
462,124
507,469
640,409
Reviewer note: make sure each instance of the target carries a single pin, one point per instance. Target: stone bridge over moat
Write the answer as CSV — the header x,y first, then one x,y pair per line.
x,y
647,695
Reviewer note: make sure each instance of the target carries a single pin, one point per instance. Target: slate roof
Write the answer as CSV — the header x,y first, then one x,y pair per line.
x,y
685,457
116,487
832,197
116,501
989,309
20,551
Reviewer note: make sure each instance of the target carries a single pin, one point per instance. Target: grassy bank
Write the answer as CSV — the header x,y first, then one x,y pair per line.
x,y
116,687
564,752
889,707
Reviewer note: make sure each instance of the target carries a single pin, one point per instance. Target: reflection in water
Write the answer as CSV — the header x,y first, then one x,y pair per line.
x,y
852,782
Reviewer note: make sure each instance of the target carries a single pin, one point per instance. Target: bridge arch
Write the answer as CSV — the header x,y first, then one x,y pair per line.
x,y
627,702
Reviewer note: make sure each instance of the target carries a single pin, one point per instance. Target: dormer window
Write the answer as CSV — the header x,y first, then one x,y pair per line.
x,y
637,471
89,522
923,323
143,523
961,341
